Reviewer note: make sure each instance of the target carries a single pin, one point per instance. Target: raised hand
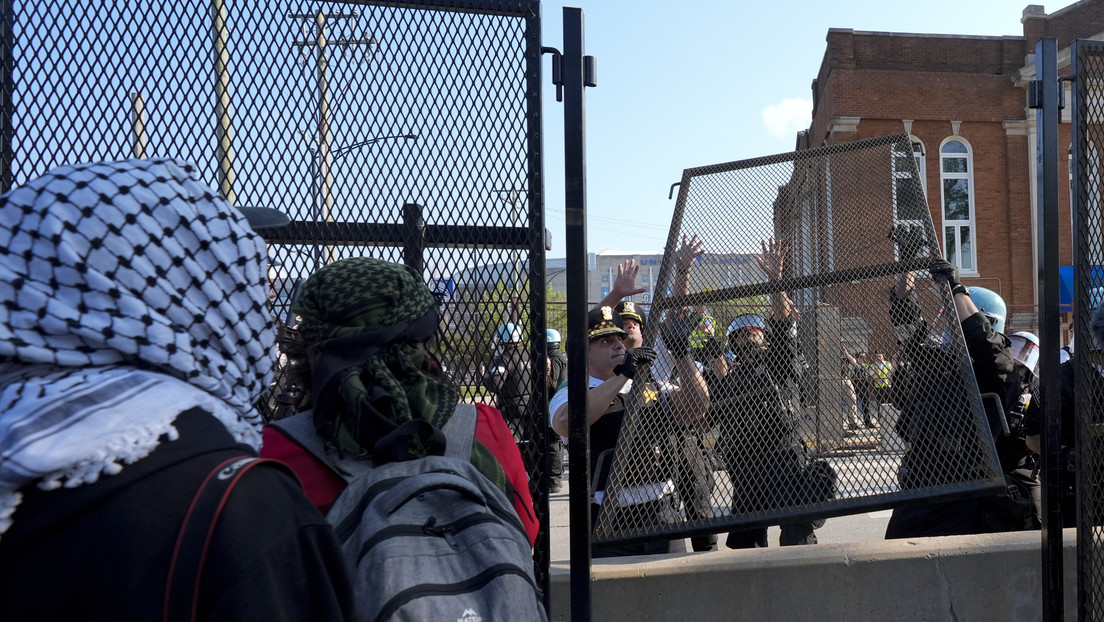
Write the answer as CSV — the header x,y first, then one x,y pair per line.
x,y
773,258
688,252
625,283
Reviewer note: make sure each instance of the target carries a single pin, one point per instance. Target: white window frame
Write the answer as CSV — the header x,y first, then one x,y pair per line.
x,y
956,226
919,156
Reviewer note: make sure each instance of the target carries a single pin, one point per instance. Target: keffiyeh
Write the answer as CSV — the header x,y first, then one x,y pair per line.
x,y
131,292
364,321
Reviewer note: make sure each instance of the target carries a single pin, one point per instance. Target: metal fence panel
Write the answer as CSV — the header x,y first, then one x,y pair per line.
x,y
807,236
1081,438
407,131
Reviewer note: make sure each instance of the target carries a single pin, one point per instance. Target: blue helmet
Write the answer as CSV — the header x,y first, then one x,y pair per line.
x,y
991,304
509,333
552,336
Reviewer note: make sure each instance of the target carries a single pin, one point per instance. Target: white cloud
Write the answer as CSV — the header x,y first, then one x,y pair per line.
x,y
788,117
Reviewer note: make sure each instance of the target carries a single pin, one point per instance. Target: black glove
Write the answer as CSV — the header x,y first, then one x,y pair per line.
x,y
943,271
676,331
712,348
637,358
911,241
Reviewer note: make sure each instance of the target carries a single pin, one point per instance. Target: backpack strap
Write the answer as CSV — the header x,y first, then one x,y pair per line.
x,y
460,432
194,539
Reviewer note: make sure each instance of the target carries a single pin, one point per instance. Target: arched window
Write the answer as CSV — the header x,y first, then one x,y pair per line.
x,y
956,174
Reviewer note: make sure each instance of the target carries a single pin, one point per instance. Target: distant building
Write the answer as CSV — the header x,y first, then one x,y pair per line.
x,y
963,101
602,272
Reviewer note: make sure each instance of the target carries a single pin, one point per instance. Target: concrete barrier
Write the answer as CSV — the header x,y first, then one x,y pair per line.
x,y
992,577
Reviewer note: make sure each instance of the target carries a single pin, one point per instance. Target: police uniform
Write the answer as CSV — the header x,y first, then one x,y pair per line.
x,y
646,496
934,402
758,437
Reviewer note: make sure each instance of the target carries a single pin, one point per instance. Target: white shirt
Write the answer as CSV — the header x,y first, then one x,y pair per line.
x,y
633,494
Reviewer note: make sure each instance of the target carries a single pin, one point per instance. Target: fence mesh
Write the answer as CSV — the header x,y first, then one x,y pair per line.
x,y
407,131
837,374
1082,384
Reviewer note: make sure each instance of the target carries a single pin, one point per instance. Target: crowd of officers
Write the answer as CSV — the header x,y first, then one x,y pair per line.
x,y
731,402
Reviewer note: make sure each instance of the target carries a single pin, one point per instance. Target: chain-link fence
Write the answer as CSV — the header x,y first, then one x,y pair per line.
x,y
837,374
1082,386
407,131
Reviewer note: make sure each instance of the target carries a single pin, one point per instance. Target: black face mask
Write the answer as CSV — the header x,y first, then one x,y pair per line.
x,y
750,354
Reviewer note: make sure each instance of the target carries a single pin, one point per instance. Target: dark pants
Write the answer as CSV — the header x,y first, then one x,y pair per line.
x,y
640,518
792,534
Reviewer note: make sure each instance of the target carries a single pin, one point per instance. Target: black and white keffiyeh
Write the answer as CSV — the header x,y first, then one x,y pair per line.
x,y
130,293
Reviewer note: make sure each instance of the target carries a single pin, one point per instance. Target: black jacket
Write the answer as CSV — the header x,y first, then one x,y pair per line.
x,y
510,379
102,551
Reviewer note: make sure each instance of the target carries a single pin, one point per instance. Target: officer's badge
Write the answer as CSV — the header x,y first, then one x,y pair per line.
x,y
629,308
607,314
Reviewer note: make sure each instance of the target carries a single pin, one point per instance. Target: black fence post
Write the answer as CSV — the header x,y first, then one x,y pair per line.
x,y
7,85
537,296
577,368
414,237
1045,100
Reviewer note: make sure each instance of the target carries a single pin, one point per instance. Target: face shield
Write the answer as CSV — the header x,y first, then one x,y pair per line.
x,y
1025,349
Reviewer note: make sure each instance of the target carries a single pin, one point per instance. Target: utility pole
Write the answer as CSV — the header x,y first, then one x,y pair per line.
x,y
322,167
224,135
513,200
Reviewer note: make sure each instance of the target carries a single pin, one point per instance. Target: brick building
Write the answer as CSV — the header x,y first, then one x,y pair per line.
x,y
963,101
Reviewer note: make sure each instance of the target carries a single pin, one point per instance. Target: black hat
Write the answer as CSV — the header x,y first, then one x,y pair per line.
x,y
604,321
628,311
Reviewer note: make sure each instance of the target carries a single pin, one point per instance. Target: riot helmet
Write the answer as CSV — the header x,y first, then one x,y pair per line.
x,y
552,336
1025,349
751,321
991,304
509,333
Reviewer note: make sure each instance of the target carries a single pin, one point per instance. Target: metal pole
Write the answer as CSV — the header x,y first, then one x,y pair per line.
x,y
325,155
1047,116
7,106
141,139
537,291
414,242
223,132
576,250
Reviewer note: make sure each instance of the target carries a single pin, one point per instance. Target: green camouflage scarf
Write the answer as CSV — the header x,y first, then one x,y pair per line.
x,y
365,322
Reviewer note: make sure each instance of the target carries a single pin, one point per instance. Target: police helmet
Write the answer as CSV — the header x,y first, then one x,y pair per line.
x,y
509,333
1025,349
552,336
750,320
991,304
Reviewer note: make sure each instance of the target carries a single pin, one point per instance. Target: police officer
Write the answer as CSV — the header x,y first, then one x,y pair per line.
x,y
692,472
1094,384
932,397
557,375
612,369
766,459
510,380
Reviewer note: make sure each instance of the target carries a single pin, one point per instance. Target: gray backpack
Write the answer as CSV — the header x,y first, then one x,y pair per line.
x,y
432,538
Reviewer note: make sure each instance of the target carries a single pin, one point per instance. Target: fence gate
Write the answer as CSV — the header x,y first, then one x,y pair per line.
x,y
810,260
1081,439
408,131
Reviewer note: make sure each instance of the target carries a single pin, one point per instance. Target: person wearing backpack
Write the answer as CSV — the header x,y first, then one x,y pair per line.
x,y
428,496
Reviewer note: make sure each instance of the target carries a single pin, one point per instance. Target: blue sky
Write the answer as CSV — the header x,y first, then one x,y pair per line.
x,y
688,84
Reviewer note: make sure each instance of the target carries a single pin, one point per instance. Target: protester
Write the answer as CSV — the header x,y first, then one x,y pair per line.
x,y
365,323
135,340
